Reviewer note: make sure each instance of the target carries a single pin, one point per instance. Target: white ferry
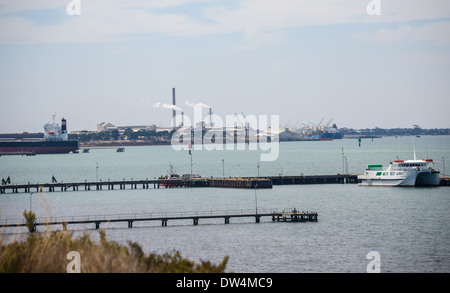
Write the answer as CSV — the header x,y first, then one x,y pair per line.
x,y
401,173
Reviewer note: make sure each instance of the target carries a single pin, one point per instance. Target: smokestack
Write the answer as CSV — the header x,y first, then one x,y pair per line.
x,y
63,125
173,111
210,118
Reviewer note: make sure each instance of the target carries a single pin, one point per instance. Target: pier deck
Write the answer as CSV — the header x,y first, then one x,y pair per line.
x,y
279,216
227,182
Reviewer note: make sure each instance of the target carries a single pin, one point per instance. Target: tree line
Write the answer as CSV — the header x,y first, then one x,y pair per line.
x,y
144,134
416,130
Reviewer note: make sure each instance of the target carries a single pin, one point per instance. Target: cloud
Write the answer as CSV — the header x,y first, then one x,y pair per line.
x,y
436,33
255,16
260,22
100,21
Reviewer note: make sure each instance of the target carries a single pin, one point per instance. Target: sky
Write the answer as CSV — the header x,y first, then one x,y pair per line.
x,y
357,63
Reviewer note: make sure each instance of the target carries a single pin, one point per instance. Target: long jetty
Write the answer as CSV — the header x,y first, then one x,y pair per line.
x,y
227,182
220,182
290,215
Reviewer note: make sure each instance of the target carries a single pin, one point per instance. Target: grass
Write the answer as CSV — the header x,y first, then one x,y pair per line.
x,y
46,252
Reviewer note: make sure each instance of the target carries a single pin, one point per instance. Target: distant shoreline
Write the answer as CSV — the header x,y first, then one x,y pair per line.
x,y
123,143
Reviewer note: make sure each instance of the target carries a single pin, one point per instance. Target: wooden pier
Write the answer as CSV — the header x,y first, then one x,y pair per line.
x,y
445,181
315,179
240,182
135,184
195,217
228,182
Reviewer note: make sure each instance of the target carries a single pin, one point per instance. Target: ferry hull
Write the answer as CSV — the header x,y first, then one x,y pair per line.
x,y
428,179
415,179
380,182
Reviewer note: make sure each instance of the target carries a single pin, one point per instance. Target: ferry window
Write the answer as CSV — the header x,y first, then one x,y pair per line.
x,y
392,173
378,174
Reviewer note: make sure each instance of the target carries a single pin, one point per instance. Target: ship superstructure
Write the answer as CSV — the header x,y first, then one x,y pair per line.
x,y
55,141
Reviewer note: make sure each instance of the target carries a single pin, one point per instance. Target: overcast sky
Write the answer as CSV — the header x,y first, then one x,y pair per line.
x,y
303,60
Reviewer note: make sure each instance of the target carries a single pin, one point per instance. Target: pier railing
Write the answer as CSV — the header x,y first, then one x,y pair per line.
x,y
275,214
138,216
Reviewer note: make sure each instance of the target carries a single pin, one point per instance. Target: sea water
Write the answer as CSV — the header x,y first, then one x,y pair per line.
x,y
408,227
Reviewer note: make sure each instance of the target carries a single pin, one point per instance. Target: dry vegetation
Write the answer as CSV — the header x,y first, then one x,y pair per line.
x,y
46,252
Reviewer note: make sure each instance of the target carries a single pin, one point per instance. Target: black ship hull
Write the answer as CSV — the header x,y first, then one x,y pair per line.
x,y
38,147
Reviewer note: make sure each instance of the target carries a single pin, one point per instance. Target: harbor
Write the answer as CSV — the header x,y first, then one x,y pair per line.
x,y
119,191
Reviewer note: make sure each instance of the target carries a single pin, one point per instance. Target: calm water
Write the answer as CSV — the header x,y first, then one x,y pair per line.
x,y
409,227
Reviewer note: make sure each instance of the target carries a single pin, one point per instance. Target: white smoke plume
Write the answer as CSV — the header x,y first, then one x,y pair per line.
x,y
173,107
190,104
167,106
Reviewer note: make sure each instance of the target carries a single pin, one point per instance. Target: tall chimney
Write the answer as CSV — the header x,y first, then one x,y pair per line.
x,y
210,118
63,126
173,110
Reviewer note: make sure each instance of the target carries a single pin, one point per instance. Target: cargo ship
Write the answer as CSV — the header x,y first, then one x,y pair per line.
x,y
53,141
317,137
321,133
